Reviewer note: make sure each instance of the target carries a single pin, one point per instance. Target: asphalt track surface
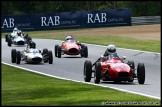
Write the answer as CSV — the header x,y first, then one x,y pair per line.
x,y
71,67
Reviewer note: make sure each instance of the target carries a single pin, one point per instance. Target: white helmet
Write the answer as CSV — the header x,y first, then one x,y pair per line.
x,y
15,29
69,38
111,48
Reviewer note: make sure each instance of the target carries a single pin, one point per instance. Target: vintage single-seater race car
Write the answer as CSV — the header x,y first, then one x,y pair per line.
x,y
71,47
32,55
114,69
17,38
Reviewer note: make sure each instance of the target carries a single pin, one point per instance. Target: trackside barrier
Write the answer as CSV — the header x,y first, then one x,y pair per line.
x,y
144,20
65,20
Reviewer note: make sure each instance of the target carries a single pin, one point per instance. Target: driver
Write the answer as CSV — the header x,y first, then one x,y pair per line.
x,y
15,29
111,49
69,38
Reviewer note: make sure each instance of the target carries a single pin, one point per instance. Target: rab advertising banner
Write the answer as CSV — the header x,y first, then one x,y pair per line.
x,y
65,20
120,17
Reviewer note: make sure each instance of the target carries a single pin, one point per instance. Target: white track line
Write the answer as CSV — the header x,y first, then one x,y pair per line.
x,y
82,81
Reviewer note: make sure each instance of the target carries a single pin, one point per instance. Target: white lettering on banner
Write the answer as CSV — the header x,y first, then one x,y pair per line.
x,y
90,18
98,17
57,20
101,18
8,23
48,22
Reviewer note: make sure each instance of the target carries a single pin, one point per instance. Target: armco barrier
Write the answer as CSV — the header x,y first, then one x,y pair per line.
x,y
64,20
144,20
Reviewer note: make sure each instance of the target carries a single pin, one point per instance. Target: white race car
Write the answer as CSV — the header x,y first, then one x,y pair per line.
x,y
32,55
17,38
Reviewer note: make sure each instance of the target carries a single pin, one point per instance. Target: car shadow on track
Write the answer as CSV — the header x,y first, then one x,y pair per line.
x,y
36,63
119,83
72,57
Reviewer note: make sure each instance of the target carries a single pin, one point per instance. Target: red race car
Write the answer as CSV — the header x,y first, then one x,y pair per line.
x,y
71,47
114,69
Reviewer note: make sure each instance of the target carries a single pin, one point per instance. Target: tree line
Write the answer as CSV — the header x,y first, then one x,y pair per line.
x,y
139,8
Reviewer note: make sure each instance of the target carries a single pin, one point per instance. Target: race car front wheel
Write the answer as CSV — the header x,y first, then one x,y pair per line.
x,y
87,72
85,51
56,47
6,37
50,57
13,55
97,73
18,57
141,73
9,42
59,51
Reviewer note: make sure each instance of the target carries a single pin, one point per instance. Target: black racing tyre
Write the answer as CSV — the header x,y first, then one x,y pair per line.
x,y
45,55
50,56
56,47
82,51
82,46
9,42
18,57
87,72
45,51
97,73
141,73
13,55
6,37
85,51
59,51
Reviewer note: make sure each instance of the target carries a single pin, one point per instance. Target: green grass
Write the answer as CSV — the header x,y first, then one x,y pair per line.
x,y
121,42
22,88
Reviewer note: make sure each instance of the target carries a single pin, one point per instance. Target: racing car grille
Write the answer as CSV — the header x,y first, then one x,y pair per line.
x,y
20,43
37,59
73,50
123,74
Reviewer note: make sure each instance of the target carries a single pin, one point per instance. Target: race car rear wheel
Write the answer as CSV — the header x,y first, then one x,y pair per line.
x,y
9,42
132,65
59,51
13,55
18,57
85,51
87,72
97,73
56,47
141,73
50,57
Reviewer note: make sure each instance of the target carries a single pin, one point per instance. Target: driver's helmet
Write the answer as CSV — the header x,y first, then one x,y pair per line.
x,y
111,48
32,44
19,32
69,38
15,29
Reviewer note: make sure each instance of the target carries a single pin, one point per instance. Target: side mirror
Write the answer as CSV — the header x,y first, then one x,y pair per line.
x,y
123,58
101,56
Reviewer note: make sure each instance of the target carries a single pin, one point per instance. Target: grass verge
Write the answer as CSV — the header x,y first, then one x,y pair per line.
x,y
22,88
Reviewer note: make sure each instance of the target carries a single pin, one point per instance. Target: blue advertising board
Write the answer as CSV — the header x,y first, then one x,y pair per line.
x,y
64,20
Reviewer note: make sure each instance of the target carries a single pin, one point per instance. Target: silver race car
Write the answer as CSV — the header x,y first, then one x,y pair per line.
x,y
17,38
32,55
